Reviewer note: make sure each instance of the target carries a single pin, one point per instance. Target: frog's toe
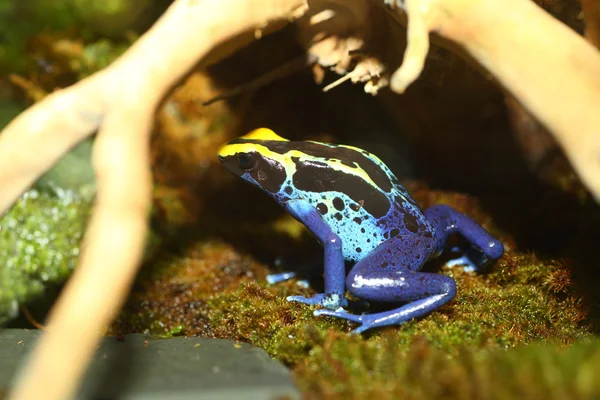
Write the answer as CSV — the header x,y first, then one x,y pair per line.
x,y
298,299
367,321
339,313
331,301
464,262
471,259
272,279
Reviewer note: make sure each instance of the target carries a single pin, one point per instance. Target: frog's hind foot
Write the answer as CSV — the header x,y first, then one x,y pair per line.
x,y
390,274
482,247
396,316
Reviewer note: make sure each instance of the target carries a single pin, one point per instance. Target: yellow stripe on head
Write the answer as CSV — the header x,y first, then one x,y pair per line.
x,y
233,149
260,134
264,134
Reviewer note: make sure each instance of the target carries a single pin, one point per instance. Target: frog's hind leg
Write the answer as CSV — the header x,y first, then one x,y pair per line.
x,y
390,273
448,221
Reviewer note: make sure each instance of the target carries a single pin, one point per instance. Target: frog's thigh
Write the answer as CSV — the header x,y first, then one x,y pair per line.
x,y
390,273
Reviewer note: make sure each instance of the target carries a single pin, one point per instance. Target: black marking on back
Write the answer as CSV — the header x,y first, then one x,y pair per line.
x,y
338,204
322,208
319,178
347,156
411,223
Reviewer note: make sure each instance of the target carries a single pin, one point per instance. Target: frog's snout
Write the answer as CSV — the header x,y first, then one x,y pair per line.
x,y
220,152
230,163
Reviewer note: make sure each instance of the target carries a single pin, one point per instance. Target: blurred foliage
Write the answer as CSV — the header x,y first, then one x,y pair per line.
x,y
20,21
353,368
50,44
39,244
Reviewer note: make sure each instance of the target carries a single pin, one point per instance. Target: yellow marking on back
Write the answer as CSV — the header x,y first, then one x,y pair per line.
x,y
285,159
264,134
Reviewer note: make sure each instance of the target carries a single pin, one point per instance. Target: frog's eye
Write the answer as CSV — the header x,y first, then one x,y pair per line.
x,y
246,161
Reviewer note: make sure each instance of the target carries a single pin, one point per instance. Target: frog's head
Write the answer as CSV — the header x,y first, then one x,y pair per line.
x,y
250,158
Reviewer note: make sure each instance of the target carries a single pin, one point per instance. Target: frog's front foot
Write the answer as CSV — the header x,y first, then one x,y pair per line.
x,y
332,301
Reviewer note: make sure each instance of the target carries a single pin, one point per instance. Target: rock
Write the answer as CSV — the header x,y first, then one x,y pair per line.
x,y
139,367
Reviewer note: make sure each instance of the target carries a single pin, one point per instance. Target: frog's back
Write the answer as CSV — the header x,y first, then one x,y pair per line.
x,y
355,192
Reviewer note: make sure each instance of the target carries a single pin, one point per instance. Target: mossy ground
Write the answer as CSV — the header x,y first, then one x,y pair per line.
x,y
521,330
467,348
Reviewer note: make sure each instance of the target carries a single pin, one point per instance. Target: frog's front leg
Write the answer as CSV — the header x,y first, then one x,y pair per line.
x,y
448,221
390,273
334,267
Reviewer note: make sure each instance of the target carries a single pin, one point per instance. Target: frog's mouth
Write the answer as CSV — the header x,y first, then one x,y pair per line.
x,y
230,162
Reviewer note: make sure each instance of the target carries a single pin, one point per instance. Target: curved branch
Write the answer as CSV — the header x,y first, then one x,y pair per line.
x,y
550,69
112,250
40,136
416,49
122,101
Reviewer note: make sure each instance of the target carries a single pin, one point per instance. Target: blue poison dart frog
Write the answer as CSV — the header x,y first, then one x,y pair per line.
x,y
357,209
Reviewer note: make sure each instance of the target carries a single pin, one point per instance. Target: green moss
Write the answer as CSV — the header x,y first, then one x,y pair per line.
x,y
176,331
210,289
502,309
39,245
261,315
349,367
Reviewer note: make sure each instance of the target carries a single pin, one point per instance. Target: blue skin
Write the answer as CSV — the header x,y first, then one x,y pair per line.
x,y
380,277
388,251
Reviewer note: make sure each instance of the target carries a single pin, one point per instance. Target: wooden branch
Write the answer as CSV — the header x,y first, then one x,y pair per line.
x,y
121,100
550,69
416,49
37,138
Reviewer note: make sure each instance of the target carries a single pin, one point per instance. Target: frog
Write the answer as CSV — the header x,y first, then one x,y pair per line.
x,y
376,238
